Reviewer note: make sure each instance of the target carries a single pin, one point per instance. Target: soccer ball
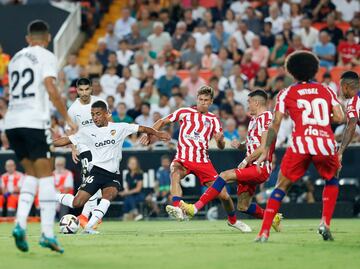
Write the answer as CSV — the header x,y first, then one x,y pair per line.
x,y
69,224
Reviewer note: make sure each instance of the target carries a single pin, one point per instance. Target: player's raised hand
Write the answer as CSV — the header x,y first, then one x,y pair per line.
x,y
74,155
235,144
145,140
72,125
219,136
163,136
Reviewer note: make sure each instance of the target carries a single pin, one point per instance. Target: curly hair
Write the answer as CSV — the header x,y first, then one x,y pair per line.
x,y
302,65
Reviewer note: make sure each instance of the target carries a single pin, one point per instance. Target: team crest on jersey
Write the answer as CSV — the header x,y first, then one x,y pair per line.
x,y
207,123
113,132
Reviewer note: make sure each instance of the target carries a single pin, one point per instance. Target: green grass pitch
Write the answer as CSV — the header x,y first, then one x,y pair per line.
x,y
193,244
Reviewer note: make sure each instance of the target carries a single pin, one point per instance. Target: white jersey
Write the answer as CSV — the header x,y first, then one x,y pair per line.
x,y
81,116
29,105
105,143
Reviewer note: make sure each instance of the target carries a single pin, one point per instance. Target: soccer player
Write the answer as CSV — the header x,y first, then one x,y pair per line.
x,y
105,143
80,112
246,175
197,127
350,86
311,107
32,73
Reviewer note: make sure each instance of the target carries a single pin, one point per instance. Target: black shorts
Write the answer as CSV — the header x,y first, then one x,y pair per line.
x,y
30,143
100,179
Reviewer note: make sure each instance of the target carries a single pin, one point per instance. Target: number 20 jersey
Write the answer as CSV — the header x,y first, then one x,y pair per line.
x,y
29,104
309,105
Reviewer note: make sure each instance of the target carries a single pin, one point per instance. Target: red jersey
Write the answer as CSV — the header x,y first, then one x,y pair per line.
x,y
309,105
64,180
353,108
257,126
11,181
348,51
196,130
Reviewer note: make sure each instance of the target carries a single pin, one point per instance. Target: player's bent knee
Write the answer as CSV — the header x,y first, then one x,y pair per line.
x,y
226,175
78,202
242,207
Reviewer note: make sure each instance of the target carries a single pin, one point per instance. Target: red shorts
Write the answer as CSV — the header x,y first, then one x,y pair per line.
x,y
204,171
295,165
249,177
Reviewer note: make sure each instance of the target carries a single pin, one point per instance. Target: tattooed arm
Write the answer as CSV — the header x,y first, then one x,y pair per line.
x,y
347,136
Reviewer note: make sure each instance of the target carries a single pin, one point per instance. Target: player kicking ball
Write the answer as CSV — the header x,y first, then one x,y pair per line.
x,y
311,106
246,175
197,127
105,142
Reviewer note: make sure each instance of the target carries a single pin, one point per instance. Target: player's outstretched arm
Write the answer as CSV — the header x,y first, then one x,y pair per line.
x,y
338,115
347,136
164,136
61,142
57,102
145,139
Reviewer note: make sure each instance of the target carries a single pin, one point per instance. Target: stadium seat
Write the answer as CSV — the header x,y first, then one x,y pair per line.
x,y
319,25
320,74
336,73
272,72
205,74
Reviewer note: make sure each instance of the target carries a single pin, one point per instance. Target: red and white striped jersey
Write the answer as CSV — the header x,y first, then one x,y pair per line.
x,y
257,126
196,130
309,105
353,108
64,180
11,181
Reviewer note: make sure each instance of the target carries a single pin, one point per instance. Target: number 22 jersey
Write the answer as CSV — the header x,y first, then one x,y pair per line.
x,y
29,104
309,105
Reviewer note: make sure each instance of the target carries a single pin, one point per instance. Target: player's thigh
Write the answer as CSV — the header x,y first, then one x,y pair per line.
x,y
228,175
294,165
244,200
81,198
92,183
327,166
251,175
178,171
43,167
206,172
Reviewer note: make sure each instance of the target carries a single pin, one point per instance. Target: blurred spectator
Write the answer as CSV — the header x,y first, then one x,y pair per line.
x,y
287,32
123,95
322,10
136,111
145,118
230,131
163,107
159,66
230,24
240,93
208,20
242,131
111,39
176,102
218,37
355,26
109,81
111,104
282,78
112,62
166,82
278,52
267,38
102,52
194,81
159,38
132,83
260,81
163,180
72,95
349,51
139,67
121,115
149,77
189,21
123,25
347,8
10,185
72,69
149,94
239,7
135,39
327,81
336,34
180,37
209,59
64,182
191,56
276,19
218,11
253,20
189,99
4,61
170,54
243,36
325,50
145,25
176,10
169,25
132,192
219,96
97,89
296,44
124,54
236,72
225,62
202,37
94,68
57,130
309,35
223,81
248,66
260,54
295,16
284,8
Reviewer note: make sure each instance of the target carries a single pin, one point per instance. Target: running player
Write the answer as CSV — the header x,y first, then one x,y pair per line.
x,y
105,142
80,112
246,175
197,127
311,106
32,73
350,85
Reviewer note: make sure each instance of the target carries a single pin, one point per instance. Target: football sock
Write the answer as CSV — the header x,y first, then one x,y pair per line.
x,y
90,205
26,199
211,193
330,194
232,217
255,210
65,199
176,200
272,208
98,213
47,201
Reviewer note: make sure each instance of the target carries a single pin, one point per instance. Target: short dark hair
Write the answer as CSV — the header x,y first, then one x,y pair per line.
x,y
38,27
260,93
302,65
146,104
351,79
206,90
99,104
83,81
349,75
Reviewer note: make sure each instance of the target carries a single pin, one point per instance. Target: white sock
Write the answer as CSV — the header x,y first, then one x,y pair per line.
x,y
26,199
98,213
65,199
99,194
47,201
90,205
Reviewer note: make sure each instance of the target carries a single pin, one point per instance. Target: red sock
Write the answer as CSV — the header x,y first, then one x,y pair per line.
x,y
259,212
211,193
330,195
272,208
176,200
232,217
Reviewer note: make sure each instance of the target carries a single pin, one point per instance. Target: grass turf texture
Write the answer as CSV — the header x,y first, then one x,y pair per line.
x,y
193,244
